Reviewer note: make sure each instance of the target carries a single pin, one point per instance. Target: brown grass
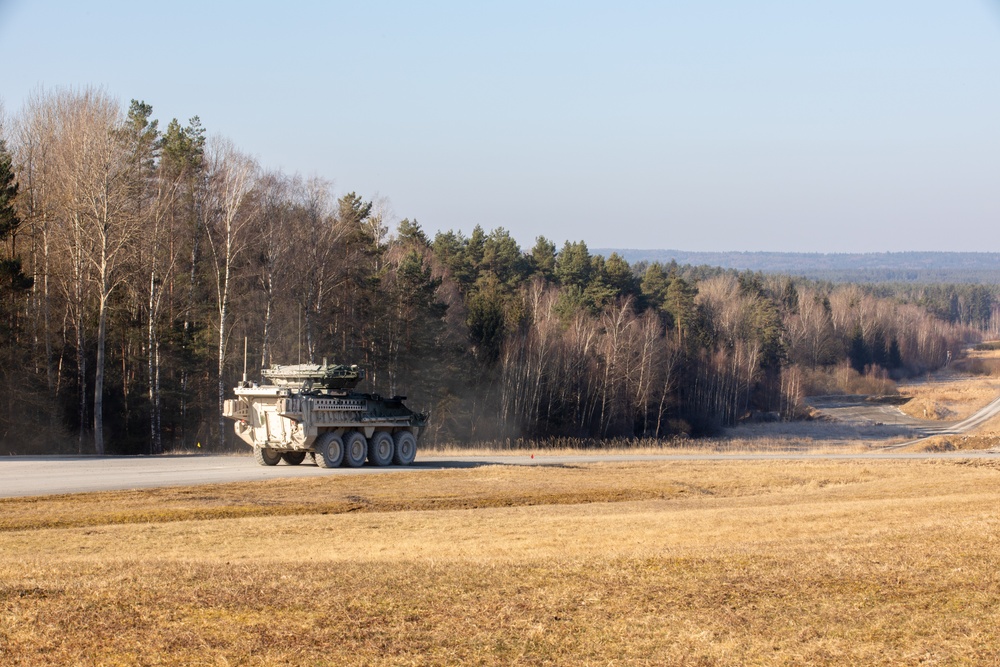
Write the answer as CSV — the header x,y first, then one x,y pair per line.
x,y
983,359
949,400
731,563
845,380
765,438
979,441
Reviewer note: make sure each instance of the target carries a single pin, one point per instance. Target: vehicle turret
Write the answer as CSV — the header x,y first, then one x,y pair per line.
x,y
309,378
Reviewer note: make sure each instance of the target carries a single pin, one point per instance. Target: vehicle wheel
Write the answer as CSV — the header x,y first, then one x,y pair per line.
x,y
293,458
406,448
329,450
266,456
355,449
381,448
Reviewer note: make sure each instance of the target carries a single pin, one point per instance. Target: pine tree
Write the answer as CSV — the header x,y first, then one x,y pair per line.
x,y
13,281
618,275
543,258
789,297
680,304
410,233
502,256
655,282
486,319
451,250
858,351
573,265
13,284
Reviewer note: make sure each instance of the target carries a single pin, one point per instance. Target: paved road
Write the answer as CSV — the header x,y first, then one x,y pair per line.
x,y
47,475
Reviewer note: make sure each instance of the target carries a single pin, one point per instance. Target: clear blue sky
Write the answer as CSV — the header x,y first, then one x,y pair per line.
x,y
836,125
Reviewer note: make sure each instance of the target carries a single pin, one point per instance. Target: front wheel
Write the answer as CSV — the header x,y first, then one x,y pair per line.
x,y
406,448
266,456
355,449
293,458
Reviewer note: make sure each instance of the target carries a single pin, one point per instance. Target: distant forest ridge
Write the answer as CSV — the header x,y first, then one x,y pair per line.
x,y
876,267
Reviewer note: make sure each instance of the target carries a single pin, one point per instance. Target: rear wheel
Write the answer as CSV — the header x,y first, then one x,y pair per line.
x,y
355,449
293,458
266,456
406,448
329,450
381,448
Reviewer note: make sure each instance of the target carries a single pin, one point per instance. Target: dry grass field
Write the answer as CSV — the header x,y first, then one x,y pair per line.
x,y
873,562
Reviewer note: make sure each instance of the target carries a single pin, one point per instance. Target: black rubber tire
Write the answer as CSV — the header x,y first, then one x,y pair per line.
x,y
406,448
355,449
329,451
381,449
266,456
293,458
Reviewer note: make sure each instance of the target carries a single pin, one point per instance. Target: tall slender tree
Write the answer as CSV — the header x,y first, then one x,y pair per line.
x,y
232,209
112,223
14,284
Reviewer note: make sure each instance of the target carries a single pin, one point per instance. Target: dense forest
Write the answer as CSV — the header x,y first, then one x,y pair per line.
x,y
136,261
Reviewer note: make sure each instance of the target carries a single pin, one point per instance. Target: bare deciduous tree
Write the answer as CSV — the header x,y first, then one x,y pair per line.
x,y
232,177
86,175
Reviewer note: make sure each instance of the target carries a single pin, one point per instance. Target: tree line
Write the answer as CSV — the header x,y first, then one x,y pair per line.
x,y
137,260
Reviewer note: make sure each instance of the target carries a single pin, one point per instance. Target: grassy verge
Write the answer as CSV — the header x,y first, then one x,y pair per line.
x,y
815,562
979,441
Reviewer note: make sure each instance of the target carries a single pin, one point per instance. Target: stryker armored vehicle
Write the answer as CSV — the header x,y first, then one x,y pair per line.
x,y
313,410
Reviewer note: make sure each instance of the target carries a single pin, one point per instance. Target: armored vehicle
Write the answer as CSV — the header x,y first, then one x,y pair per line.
x,y
310,410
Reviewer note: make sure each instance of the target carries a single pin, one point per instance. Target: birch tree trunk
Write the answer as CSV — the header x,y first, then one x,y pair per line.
x,y
232,177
